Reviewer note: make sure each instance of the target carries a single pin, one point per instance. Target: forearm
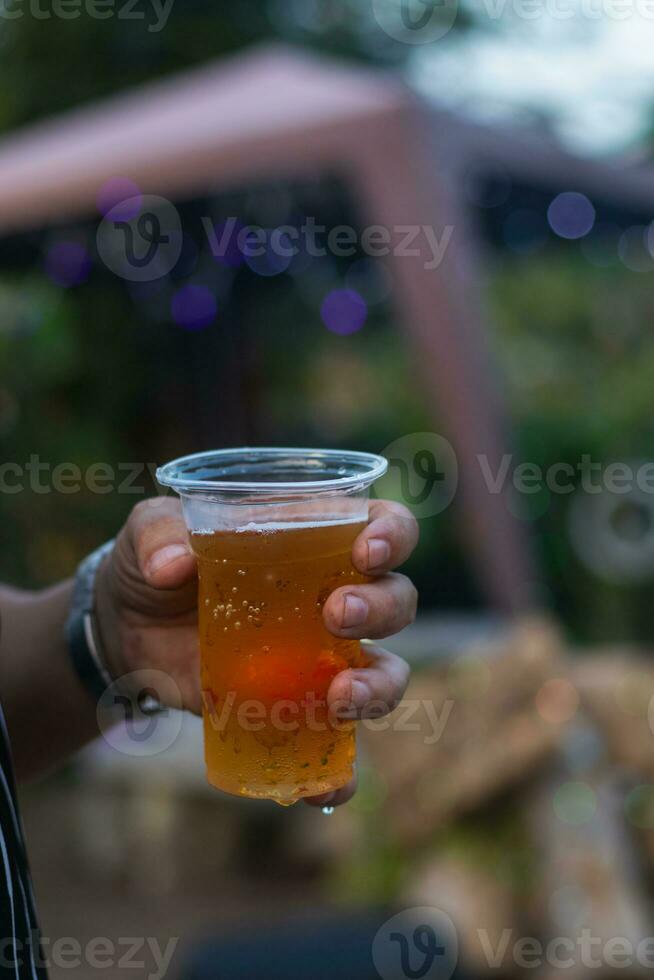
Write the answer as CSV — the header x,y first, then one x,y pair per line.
x,y
49,713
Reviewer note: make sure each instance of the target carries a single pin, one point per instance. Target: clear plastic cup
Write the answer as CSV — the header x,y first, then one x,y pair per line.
x,y
272,530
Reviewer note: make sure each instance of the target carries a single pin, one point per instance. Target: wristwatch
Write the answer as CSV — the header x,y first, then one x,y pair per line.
x,y
82,627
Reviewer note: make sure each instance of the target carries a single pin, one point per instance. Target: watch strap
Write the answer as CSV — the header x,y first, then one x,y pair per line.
x,y
82,629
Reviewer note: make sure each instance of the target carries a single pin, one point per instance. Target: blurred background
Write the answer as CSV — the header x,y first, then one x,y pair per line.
x,y
526,131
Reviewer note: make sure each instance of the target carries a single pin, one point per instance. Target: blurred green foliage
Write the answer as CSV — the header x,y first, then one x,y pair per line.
x,y
50,63
577,359
58,408
99,373
90,376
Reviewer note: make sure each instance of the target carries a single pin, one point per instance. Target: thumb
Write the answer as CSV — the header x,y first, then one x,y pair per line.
x,y
160,543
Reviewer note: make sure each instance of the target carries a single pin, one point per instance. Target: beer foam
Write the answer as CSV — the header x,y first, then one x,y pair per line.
x,y
270,527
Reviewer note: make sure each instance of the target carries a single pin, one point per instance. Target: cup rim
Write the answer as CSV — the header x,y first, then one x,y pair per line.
x,y
371,468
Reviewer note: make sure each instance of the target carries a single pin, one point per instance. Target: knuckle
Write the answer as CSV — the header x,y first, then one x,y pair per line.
x,y
141,509
406,600
396,511
408,528
384,527
389,695
405,514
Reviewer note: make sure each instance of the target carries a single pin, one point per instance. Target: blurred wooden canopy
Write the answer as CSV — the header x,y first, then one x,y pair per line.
x,y
275,113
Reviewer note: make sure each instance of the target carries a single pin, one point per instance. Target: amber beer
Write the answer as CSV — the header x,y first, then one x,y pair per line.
x,y
267,660
273,531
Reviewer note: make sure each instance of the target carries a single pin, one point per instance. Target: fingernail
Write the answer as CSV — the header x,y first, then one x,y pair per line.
x,y
379,551
165,556
355,611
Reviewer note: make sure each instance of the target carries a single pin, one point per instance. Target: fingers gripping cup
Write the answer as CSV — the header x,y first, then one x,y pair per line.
x,y
272,530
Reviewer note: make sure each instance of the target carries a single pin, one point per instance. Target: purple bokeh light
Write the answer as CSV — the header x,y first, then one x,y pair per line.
x,y
67,263
224,244
344,311
193,307
571,215
121,194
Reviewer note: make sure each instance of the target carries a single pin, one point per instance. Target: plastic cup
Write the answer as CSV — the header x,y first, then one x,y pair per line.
x,y
272,530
